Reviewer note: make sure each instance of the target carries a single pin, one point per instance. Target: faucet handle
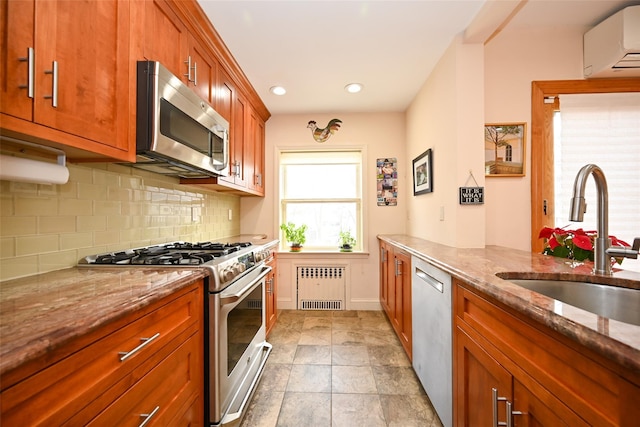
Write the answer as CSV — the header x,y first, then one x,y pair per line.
x,y
625,252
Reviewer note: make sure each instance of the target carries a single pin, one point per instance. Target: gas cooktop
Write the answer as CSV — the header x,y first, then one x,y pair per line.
x,y
175,253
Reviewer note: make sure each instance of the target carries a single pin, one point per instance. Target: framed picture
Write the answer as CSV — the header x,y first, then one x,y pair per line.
x,y
504,149
423,173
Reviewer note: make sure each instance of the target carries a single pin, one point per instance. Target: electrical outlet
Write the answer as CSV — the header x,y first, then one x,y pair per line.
x,y
441,213
230,214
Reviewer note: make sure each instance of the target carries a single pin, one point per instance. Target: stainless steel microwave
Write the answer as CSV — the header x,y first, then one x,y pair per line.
x,y
177,133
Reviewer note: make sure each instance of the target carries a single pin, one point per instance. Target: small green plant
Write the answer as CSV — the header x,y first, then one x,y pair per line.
x,y
347,241
294,235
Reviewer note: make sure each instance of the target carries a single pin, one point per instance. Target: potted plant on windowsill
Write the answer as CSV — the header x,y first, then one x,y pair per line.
x,y
347,241
294,235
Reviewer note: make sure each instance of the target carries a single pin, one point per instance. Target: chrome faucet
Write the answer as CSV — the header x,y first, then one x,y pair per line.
x,y
578,207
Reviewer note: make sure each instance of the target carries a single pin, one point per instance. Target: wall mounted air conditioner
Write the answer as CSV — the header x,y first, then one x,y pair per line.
x,y
612,48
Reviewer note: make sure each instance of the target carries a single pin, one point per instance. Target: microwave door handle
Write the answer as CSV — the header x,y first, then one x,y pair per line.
x,y
225,150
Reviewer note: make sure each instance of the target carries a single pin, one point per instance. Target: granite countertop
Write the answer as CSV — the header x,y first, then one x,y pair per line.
x,y
612,339
42,312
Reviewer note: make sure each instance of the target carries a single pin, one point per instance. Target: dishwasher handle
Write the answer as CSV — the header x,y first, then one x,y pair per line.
x,y
436,284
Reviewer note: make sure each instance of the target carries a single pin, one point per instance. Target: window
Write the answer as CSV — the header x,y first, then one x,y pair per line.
x,y
603,129
322,189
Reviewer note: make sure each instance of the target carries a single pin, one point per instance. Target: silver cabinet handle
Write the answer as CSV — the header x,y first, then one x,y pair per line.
x,y
397,263
495,399
189,68
383,254
124,355
30,71
54,96
510,414
195,74
147,417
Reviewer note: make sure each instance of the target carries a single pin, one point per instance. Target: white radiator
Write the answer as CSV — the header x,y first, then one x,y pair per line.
x,y
321,288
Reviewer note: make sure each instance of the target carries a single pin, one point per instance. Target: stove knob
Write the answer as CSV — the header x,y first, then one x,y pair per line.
x,y
227,274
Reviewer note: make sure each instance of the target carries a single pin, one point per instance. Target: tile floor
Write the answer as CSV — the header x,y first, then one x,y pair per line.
x,y
338,368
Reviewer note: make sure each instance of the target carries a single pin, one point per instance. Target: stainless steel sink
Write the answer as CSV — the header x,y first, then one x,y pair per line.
x,y
609,301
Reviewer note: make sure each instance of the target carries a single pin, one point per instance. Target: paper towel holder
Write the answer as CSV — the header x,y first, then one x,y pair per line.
x,y
14,168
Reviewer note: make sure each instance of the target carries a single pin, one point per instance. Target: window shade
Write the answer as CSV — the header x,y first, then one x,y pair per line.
x,y
603,129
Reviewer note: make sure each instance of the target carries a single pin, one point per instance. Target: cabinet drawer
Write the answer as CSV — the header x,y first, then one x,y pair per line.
x,y
87,381
161,393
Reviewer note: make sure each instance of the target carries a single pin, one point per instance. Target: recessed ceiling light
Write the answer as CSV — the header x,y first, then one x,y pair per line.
x,y
277,90
353,87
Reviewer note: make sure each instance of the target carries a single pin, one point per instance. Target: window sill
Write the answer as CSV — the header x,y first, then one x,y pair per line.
x,y
283,253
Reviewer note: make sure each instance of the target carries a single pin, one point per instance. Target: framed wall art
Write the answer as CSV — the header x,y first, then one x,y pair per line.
x,y
423,173
504,149
387,181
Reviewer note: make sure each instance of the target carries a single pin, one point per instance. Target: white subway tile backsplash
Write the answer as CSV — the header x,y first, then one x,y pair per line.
x,y
103,207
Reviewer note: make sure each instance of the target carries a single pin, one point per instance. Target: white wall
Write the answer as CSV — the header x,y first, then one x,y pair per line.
x,y
447,116
380,135
512,61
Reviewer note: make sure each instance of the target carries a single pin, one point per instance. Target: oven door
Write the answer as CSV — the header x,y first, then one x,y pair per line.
x,y
238,349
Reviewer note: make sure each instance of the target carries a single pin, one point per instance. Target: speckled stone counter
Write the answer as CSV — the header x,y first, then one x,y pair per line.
x,y
615,340
43,312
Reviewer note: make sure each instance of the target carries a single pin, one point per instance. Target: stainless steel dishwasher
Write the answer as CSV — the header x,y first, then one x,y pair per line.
x,y
432,335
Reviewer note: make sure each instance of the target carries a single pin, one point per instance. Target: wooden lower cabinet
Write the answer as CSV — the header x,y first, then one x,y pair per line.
x,y
154,361
271,292
504,362
395,292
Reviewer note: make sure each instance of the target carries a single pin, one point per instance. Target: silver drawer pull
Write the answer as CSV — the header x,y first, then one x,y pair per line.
x,y
147,417
145,341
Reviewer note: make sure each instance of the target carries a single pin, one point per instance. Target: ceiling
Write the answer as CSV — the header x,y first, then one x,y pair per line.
x,y
315,48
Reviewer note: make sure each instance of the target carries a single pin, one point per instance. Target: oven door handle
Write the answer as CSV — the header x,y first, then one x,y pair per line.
x,y
231,298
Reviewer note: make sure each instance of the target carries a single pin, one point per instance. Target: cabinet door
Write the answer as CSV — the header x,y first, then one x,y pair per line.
x,y
88,43
17,30
271,295
541,408
384,276
165,38
402,299
258,155
476,373
202,71
250,147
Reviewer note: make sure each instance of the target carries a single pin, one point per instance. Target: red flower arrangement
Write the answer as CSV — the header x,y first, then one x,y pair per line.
x,y
573,244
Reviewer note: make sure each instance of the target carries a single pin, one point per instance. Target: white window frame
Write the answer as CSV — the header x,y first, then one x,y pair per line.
x,y
359,201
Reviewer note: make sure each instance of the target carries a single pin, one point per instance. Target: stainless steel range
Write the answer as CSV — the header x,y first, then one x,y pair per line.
x,y
235,340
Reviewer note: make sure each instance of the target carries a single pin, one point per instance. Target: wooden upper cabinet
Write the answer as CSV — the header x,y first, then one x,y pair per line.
x,y
17,22
164,37
202,71
80,72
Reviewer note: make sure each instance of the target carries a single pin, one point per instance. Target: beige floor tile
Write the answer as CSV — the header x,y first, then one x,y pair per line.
x,y
282,353
388,355
338,368
346,323
275,377
313,355
352,379
313,323
341,337
305,410
396,380
361,410
409,411
263,410
284,335
315,337
310,378
356,355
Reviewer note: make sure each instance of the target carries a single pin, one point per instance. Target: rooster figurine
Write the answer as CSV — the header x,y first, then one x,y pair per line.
x,y
321,135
